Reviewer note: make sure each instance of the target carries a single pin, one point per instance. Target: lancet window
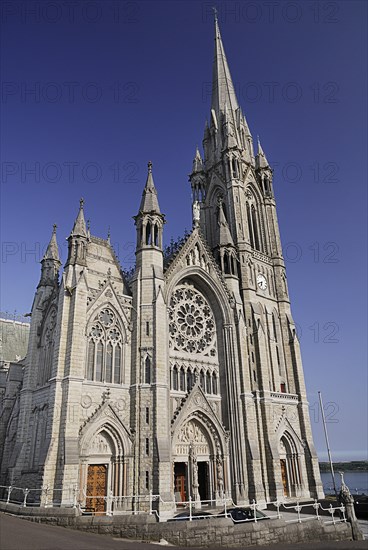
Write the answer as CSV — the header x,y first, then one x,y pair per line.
x,y
147,370
105,349
149,234
255,223
184,378
47,350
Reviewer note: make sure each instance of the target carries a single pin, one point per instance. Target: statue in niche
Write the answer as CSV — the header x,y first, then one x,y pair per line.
x,y
196,213
220,474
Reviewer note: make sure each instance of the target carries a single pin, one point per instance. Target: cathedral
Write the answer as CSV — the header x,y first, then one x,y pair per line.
x,y
182,378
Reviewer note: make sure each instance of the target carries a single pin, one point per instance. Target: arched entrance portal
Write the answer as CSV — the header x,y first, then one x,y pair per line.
x,y
199,464
290,467
104,470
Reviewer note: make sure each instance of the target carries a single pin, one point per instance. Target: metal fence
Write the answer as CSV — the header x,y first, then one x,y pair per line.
x,y
44,496
150,504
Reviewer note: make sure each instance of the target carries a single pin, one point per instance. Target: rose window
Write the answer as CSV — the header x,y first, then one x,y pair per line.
x,y
106,317
191,322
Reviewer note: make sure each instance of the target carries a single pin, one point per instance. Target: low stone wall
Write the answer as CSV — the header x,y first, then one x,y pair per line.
x,y
207,532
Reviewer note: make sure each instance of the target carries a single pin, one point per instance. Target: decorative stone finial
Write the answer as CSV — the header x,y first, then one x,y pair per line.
x,y
54,227
149,166
81,203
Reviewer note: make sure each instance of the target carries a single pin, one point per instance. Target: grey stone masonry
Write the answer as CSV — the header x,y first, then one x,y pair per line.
x,y
205,533
182,379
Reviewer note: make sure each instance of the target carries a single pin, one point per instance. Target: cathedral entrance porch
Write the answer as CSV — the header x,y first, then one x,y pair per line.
x,y
193,480
200,467
104,469
290,467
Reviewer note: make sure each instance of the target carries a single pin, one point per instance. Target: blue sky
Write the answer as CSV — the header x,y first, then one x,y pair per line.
x,y
92,92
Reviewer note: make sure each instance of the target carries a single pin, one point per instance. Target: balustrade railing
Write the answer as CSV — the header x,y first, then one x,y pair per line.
x,y
150,504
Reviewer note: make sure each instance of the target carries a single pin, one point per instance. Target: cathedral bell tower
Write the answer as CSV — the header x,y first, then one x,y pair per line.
x,y
233,190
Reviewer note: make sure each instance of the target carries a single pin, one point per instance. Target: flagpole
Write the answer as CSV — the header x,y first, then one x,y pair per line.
x,y
327,442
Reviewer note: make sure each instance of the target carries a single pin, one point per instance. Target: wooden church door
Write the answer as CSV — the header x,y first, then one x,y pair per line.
x,y
96,487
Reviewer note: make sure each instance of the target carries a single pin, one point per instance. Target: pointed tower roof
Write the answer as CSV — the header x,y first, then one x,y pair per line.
x,y
225,237
79,228
197,162
52,251
149,202
222,85
262,161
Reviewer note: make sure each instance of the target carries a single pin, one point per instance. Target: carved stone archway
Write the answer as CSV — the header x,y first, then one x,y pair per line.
x,y
200,465
290,466
105,462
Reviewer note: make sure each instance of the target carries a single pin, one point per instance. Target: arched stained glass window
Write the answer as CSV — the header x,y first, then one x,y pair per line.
x,y
105,349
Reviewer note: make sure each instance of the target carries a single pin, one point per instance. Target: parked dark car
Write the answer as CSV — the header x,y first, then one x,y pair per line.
x,y
361,506
241,515
185,516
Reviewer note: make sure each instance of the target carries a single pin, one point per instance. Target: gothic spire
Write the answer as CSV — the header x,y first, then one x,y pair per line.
x,y
197,162
50,263
52,251
78,239
79,228
149,202
223,91
261,160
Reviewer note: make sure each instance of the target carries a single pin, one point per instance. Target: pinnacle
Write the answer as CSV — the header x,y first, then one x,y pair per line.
x,y
262,161
52,251
79,228
149,202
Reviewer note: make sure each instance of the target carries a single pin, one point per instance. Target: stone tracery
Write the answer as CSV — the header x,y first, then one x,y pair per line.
x,y
192,324
105,348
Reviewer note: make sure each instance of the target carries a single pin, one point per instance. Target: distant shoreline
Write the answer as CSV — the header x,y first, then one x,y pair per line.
x,y
352,466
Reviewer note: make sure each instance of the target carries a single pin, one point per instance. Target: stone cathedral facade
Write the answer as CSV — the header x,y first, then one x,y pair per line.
x,y
185,378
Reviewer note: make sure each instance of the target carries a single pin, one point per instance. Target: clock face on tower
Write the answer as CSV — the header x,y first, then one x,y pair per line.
x,y
261,281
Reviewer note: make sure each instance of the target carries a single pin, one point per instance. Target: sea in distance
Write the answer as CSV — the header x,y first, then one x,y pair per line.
x,y
356,481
